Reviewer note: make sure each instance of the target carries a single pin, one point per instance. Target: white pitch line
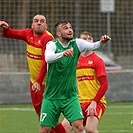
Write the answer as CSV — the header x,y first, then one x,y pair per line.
x,y
18,109
116,131
125,106
30,109
119,113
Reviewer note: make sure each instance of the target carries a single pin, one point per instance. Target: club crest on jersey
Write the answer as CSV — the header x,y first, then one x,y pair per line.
x,y
90,62
59,50
39,41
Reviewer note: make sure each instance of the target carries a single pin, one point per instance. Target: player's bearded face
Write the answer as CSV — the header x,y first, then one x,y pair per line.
x,y
66,31
67,37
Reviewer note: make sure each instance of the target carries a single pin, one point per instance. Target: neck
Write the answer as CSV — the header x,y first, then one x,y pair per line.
x,y
37,34
64,41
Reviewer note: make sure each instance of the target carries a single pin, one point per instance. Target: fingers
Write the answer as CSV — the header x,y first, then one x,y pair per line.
x,y
90,112
105,38
4,24
69,52
36,87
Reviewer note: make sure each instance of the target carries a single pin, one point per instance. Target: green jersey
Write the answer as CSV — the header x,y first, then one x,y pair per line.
x,y
61,76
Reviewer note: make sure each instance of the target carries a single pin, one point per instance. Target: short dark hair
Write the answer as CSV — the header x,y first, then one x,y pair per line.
x,y
61,22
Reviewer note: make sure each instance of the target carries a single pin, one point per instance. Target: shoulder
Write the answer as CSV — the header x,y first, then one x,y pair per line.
x,y
51,43
79,40
97,57
49,34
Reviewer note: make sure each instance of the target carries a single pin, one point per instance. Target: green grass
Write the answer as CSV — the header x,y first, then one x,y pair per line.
x,y
117,118
22,119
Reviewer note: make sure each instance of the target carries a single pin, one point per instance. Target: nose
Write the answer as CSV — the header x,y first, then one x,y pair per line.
x,y
38,22
71,31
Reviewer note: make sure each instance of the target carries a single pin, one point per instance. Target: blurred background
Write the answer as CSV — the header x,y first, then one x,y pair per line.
x,y
112,17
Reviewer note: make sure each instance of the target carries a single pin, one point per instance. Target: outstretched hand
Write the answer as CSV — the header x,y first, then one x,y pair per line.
x,y
105,39
4,24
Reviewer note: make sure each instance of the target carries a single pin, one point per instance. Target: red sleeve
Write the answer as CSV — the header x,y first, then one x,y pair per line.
x,y
43,68
103,88
14,34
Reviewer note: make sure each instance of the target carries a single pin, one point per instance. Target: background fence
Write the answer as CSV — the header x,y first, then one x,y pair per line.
x,y
84,15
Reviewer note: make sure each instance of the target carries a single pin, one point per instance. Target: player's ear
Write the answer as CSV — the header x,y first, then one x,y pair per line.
x,y
32,26
58,33
46,27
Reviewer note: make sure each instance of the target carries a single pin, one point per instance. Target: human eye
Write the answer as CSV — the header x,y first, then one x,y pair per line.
x,y
70,27
42,21
65,27
35,21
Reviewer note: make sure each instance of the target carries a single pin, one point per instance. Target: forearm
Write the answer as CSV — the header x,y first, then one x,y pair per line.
x,y
99,45
103,88
14,34
43,68
52,57
88,46
7,33
50,54
42,72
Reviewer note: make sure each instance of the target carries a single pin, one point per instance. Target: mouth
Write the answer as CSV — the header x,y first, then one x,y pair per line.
x,y
38,26
70,34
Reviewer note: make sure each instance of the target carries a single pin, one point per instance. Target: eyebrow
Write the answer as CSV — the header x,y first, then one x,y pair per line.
x,y
38,19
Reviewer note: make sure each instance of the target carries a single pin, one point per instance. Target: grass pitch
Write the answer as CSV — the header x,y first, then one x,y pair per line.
x,y
22,118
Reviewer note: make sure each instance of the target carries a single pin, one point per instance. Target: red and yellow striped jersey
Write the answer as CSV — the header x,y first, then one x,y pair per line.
x,y
88,70
36,46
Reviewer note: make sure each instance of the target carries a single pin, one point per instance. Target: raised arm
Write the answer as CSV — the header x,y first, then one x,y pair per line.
x,y
88,46
13,33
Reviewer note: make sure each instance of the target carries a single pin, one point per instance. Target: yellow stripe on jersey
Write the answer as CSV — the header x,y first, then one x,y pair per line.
x,y
88,85
34,58
33,50
49,33
100,113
